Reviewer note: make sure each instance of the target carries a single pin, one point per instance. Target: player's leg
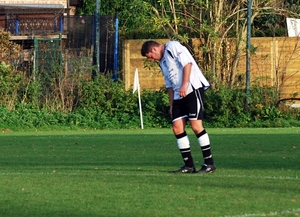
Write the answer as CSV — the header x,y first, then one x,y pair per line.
x,y
196,116
204,142
179,122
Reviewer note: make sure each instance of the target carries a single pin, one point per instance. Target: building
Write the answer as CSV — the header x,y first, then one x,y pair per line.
x,y
36,23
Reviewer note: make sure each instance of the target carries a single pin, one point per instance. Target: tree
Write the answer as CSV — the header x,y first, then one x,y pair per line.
x,y
216,23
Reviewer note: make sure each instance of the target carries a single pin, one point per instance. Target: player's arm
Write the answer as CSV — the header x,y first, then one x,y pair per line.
x,y
171,98
185,79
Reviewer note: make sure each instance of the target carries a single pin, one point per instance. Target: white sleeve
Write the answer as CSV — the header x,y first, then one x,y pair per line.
x,y
181,53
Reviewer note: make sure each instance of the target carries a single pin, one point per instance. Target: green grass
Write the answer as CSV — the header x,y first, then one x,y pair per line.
x,y
125,173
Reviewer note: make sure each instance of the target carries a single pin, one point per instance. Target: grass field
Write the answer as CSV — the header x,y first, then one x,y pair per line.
x,y
126,173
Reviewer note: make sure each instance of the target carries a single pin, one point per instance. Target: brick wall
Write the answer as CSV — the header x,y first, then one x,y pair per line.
x,y
62,2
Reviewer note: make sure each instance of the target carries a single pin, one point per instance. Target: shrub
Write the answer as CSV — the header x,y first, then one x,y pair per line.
x,y
226,108
76,101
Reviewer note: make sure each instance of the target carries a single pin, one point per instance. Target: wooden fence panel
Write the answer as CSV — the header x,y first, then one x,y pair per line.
x,y
149,79
274,62
261,65
287,64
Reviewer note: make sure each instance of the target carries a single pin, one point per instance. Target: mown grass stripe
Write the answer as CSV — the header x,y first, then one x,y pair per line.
x,y
273,213
153,174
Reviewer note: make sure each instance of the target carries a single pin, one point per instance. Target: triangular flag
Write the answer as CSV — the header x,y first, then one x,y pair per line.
x,y
136,87
136,82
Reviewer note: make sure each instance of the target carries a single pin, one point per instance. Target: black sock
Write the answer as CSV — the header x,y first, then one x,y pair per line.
x,y
184,148
187,157
204,143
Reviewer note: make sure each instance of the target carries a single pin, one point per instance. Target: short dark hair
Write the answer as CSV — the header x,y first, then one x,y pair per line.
x,y
147,46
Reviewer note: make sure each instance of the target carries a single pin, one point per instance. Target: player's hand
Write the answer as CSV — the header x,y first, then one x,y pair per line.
x,y
183,90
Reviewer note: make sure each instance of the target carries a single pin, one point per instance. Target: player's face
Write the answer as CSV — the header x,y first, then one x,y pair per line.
x,y
154,54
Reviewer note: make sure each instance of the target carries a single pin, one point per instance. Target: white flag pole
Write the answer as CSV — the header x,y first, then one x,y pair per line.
x,y
136,86
140,106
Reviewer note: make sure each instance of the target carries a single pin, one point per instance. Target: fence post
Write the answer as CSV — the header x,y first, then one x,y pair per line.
x,y
55,23
116,50
249,16
35,49
17,26
96,58
61,24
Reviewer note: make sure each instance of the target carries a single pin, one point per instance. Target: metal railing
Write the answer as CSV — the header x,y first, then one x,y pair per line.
x,y
34,26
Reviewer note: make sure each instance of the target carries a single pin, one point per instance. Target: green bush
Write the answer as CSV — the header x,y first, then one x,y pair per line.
x,y
104,104
226,107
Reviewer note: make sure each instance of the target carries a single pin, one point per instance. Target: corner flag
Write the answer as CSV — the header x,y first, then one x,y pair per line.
x,y
136,82
136,87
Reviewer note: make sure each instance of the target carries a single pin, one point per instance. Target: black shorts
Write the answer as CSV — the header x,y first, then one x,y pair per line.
x,y
190,107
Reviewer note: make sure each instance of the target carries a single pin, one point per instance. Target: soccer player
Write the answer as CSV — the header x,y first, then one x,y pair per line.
x,y
186,85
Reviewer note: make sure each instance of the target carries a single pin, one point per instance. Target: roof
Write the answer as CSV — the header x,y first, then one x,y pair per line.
x,y
31,8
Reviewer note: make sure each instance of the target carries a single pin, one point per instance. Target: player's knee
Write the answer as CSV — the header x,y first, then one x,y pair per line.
x,y
177,129
197,127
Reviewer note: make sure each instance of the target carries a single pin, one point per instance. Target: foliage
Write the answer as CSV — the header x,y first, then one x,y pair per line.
x,y
55,98
88,8
181,17
155,105
104,104
10,85
225,108
9,51
214,22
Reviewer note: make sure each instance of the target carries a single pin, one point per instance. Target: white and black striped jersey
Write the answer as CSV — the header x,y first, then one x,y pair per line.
x,y
175,57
